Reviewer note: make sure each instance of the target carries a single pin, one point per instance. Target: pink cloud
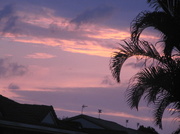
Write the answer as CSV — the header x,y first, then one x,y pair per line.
x,y
45,28
116,114
40,56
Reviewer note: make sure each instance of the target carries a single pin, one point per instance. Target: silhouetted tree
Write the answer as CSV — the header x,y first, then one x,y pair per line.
x,y
148,130
158,83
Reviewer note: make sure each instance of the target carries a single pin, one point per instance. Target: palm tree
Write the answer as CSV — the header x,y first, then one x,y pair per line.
x,y
158,84
165,18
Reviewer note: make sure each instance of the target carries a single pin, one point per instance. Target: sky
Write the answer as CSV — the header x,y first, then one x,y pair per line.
x,y
57,52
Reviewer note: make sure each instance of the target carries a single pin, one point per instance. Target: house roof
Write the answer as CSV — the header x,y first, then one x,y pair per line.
x,y
108,126
100,122
26,113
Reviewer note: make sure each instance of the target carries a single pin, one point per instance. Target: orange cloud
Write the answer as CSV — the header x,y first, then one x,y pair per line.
x,y
75,46
109,33
86,47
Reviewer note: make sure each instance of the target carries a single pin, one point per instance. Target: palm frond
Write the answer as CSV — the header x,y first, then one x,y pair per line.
x,y
148,82
142,48
116,63
157,20
161,104
159,109
134,95
167,25
171,7
154,4
159,86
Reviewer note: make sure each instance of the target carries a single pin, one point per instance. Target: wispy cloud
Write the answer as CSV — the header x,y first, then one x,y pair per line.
x,y
126,115
67,110
40,56
13,86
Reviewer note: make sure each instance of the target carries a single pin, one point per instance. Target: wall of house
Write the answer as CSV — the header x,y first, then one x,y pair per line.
x,y
49,119
7,127
7,130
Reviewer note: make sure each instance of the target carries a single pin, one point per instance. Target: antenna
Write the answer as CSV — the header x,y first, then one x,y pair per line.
x,y
127,122
99,111
138,125
83,106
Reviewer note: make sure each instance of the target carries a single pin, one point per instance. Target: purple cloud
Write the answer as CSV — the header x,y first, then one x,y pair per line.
x,y
11,69
13,86
107,80
8,19
94,15
6,11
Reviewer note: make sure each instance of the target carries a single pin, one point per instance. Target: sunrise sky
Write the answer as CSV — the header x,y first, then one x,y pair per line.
x,y
57,52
